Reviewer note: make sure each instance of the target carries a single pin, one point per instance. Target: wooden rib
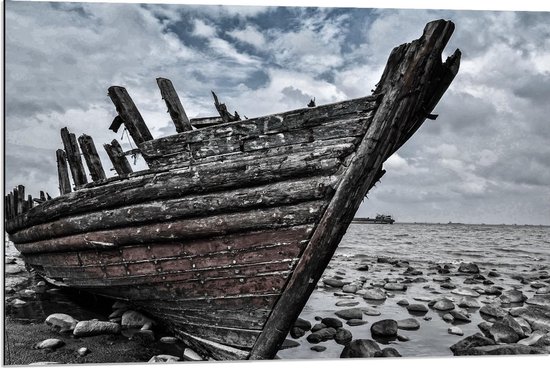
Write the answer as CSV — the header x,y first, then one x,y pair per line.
x,y
73,157
42,196
270,218
416,65
118,159
175,108
63,172
29,202
7,206
263,196
129,114
20,199
91,157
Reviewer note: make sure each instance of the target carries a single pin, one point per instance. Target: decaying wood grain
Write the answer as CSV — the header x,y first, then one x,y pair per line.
x,y
63,172
91,157
73,157
222,110
118,159
20,198
411,67
175,108
128,112
207,121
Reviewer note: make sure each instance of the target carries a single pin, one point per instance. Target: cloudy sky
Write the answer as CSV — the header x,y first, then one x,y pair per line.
x,y
486,159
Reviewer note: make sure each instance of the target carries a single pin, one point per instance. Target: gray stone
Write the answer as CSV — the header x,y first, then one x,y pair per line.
x,y
468,268
403,302
18,303
370,311
163,358
460,316
321,335
390,353
455,330
542,300
352,289
333,322
502,333
525,326
120,305
342,336
302,324
296,332
191,355
289,344
512,296
423,299
417,308
441,278
133,319
394,286
356,322
374,294
352,313
493,290
493,310
447,317
468,302
465,292
363,267
506,349
532,340
83,351
448,286
408,324
332,282
318,348
402,338
61,322
485,328
444,305
50,344
384,328
537,317
346,303
318,326
168,340
362,348
41,283
513,324
94,327
544,290
463,346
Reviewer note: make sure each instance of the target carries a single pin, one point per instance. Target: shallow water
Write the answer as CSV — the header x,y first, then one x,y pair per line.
x,y
509,250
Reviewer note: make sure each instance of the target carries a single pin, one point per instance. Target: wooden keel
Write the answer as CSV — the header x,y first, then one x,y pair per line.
x,y
73,157
175,108
91,157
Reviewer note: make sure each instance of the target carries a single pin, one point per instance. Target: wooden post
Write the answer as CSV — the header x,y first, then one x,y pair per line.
x,y
92,158
173,103
129,114
48,197
29,202
15,201
42,196
62,173
73,157
222,110
7,209
119,160
20,199
12,205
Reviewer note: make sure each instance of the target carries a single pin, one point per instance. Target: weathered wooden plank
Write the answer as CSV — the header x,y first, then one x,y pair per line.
x,y
271,218
415,66
204,122
240,338
278,139
13,206
20,199
222,110
7,207
215,147
29,204
73,157
62,172
269,195
128,112
246,319
175,108
212,349
197,179
118,159
91,157
189,249
42,196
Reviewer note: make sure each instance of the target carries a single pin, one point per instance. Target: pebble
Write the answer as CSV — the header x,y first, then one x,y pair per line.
x,y
544,290
408,324
83,351
318,326
512,296
362,348
465,292
363,268
345,303
289,344
441,278
62,322
352,289
168,340
390,353
541,300
417,308
423,299
370,311
447,285
50,344
447,317
394,286
321,335
459,316
191,355
94,327
342,336
302,324
402,338
463,346
133,319
384,328
318,348
531,340
444,305
41,283
502,333
334,322
333,282
493,274
492,310
296,332
468,268
468,302
18,303
485,328
403,302
163,358
356,322
454,330
374,294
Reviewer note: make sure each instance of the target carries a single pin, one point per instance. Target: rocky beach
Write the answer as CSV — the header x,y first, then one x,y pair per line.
x,y
405,290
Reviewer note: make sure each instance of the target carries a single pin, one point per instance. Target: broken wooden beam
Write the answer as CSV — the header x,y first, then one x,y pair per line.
x,y
62,172
29,202
91,157
42,196
73,157
20,199
118,159
128,112
173,103
222,110
8,206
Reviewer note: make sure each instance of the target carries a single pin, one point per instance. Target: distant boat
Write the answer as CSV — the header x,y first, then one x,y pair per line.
x,y
379,219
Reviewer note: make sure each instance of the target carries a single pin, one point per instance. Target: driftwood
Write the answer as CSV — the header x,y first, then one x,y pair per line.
x,y
91,157
175,108
129,115
118,158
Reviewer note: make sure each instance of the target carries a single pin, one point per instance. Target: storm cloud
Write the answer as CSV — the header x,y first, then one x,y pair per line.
x,y
486,159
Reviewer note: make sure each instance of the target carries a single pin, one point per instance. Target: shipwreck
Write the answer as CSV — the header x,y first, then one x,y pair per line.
x,y
228,231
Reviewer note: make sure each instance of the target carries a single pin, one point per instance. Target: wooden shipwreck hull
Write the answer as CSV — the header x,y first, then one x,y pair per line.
x,y
227,233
